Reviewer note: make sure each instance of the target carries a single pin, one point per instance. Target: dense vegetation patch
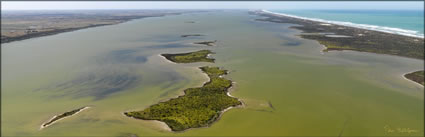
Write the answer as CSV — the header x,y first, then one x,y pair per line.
x,y
199,107
417,76
197,56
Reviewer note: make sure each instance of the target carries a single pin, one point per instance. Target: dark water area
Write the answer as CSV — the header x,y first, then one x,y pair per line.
x,y
292,43
98,86
107,77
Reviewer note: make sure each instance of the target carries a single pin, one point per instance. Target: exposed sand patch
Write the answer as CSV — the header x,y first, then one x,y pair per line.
x,y
166,59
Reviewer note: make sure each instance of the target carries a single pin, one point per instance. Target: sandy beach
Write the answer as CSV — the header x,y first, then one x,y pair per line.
x,y
404,76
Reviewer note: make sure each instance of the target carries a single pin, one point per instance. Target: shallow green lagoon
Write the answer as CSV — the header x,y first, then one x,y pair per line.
x,y
117,68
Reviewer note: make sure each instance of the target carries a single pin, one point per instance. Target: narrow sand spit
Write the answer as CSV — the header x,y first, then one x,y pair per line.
x,y
166,59
42,125
161,124
404,76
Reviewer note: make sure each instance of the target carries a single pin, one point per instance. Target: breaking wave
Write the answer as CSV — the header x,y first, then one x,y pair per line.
x,y
391,30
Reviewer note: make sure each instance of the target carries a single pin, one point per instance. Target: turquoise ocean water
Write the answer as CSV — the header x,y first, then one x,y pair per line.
x,y
405,22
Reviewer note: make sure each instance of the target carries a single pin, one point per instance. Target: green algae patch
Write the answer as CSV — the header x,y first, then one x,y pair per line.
x,y
199,107
417,76
197,56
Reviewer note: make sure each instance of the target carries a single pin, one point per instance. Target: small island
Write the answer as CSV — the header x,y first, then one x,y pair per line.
x,y
189,22
191,35
417,76
199,107
207,43
197,56
62,116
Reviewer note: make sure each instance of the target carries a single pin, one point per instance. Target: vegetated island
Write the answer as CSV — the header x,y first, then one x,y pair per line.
x,y
198,107
191,35
197,56
417,76
62,116
207,43
338,37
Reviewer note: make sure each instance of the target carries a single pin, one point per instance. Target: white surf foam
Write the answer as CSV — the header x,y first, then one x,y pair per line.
x,y
391,30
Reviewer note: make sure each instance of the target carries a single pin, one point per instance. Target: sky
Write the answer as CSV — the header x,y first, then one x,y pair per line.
x,y
69,5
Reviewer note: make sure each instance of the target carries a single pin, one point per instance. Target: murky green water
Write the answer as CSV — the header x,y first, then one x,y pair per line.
x,y
117,68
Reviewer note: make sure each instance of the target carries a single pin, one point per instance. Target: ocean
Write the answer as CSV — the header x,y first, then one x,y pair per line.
x,y
404,22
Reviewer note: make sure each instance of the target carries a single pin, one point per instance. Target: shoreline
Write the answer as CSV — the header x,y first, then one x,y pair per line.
x,y
190,57
360,39
324,49
169,61
168,128
330,22
160,123
221,113
42,125
7,39
48,33
404,76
